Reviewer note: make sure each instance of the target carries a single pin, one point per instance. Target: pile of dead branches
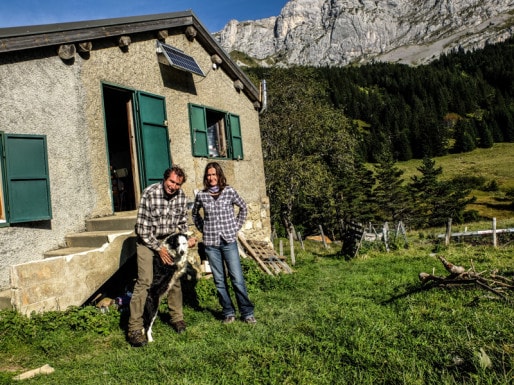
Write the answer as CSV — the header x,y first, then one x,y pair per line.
x,y
501,286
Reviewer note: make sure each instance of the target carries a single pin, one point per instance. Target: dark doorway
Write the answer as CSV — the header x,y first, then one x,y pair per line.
x,y
119,122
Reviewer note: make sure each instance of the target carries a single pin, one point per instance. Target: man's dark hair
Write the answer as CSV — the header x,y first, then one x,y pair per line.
x,y
179,171
222,181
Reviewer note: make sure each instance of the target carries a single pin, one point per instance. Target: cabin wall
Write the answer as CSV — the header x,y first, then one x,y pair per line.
x,y
41,94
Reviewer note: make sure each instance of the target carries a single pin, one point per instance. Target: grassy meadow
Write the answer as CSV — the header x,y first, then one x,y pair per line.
x,y
363,321
493,164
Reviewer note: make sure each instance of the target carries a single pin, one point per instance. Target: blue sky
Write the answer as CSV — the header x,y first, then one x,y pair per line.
x,y
214,14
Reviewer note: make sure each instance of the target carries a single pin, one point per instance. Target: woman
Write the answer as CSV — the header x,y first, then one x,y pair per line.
x,y
219,226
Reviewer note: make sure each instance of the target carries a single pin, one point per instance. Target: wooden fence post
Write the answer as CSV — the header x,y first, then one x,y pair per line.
x,y
323,236
280,248
301,240
291,245
385,235
448,232
495,242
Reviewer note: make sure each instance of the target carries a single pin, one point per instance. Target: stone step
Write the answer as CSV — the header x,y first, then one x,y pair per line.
x,y
124,220
70,279
92,239
5,300
67,251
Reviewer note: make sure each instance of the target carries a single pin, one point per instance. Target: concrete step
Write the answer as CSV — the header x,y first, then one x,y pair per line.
x,y
67,251
124,220
69,280
92,239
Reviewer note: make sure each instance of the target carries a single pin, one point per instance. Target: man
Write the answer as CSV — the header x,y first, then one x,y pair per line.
x,y
162,211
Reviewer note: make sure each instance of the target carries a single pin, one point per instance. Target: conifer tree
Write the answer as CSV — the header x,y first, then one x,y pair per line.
x,y
435,201
390,195
465,140
424,192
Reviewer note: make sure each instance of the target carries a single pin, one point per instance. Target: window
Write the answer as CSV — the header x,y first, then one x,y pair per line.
x,y
25,184
215,134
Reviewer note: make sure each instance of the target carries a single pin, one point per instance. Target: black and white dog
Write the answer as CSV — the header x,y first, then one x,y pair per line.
x,y
164,277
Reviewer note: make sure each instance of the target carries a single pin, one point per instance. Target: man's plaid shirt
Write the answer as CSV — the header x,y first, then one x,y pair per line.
x,y
160,215
219,219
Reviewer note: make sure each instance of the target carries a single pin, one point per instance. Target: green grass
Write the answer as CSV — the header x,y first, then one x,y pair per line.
x,y
364,321
493,164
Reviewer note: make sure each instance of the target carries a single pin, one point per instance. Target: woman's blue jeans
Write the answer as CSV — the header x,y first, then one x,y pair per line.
x,y
228,253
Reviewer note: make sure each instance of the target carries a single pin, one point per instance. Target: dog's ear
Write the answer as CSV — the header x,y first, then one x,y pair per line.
x,y
172,241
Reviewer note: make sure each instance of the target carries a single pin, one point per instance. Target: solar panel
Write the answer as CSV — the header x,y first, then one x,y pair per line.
x,y
179,59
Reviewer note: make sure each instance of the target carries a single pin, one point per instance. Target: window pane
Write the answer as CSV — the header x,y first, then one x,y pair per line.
x,y
212,137
216,136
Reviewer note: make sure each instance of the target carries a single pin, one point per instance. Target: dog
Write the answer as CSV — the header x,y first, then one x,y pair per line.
x,y
164,277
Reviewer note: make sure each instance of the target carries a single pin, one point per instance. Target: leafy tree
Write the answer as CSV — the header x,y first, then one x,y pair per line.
x,y
306,144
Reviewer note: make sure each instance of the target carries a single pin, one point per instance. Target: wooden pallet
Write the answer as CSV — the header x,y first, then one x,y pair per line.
x,y
266,257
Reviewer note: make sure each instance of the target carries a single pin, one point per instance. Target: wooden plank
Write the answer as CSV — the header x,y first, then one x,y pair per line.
x,y
267,255
285,266
273,265
254,255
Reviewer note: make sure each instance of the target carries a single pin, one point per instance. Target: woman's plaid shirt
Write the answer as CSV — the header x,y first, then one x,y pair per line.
x,y
160,215
219,219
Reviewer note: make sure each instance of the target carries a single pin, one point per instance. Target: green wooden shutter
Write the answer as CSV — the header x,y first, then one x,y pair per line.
x,y
153,138
235,136
198,124
27,178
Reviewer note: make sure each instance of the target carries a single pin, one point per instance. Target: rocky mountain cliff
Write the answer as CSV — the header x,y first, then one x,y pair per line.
x,y
341,32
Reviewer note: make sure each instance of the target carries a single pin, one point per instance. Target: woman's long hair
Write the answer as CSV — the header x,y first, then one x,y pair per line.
x,y
222,181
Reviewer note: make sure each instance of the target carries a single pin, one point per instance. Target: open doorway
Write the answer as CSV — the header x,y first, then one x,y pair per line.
x,y
119,122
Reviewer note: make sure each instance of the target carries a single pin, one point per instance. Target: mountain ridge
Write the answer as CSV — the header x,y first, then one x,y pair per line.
x,y
342,32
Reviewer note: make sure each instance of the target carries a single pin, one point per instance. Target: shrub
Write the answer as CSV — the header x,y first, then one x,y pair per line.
x,y
492,185
469,182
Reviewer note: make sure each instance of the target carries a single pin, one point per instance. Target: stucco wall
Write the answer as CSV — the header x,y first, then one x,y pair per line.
x,y
40,94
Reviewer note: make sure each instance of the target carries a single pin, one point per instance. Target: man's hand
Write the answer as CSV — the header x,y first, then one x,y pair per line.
x,y
166,258
191,242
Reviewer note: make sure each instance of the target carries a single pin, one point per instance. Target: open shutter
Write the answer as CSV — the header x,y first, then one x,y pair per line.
x,y
198,124
236,138
27,178
153,139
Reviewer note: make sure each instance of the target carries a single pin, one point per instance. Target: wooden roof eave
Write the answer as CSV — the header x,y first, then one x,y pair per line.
x,y
20,38
30,37
229,66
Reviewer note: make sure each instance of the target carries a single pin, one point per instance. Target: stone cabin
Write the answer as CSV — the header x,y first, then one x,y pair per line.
x,y
93,112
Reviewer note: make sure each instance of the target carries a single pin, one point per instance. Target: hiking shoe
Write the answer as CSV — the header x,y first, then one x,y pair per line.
x,y
179,326
250,320
137,338
229,319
